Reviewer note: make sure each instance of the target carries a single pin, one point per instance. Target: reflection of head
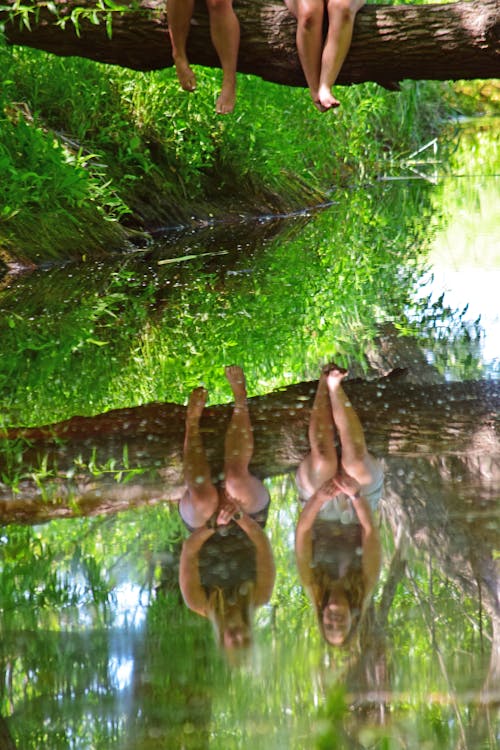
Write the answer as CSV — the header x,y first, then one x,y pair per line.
x,y
339,605
231,614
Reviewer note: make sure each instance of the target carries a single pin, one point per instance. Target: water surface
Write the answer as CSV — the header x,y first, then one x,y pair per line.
x,y
98,648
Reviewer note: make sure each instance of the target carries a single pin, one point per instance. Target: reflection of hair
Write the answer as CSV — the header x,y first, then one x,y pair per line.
x,y
221,601
353,584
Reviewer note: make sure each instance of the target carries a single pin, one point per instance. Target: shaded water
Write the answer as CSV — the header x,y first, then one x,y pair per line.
x,y
98,648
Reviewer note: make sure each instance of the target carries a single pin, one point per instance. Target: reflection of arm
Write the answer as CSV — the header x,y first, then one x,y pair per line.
x,y
303,535
372,549
189,574
266,571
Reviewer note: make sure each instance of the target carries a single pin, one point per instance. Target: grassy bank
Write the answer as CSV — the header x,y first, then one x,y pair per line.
x,y
90,153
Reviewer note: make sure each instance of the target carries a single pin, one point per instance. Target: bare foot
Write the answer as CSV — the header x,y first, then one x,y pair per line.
x,y
196,403
327,99
319,106
185,74
236,379
227,98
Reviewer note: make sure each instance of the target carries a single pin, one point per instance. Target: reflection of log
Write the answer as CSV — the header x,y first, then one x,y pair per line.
x,y
440,41
400,419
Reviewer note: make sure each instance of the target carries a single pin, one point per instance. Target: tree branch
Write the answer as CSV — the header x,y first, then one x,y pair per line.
x,y
390,43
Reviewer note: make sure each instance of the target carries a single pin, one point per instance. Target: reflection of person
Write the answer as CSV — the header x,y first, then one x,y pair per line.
x,y
337,542
321,62
226,565
225,34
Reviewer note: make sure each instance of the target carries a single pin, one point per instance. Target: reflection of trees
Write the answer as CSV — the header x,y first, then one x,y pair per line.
x,y
6,741
448,507
76,657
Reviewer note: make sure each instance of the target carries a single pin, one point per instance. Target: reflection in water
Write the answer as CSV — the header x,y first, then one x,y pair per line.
x,y
337,542
97,648
226,566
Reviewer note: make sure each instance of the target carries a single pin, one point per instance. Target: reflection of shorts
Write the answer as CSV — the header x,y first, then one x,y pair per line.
x,y
259,516
340,508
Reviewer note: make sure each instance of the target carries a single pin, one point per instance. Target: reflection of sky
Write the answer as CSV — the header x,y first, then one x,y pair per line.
x,y
478,288
120,672
130,605
465,253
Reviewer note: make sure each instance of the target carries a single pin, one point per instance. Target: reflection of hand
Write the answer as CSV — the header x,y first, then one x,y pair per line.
x,y
346,484
228,509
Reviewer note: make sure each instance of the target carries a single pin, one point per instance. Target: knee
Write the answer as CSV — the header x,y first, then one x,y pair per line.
x,y
201,503
219,6
310,13
235,472
344,9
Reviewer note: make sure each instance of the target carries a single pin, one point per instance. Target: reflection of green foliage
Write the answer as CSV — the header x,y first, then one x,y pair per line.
x,y
152,333
64,624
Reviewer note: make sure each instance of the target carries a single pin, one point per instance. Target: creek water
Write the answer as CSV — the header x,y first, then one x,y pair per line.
x,y
99,649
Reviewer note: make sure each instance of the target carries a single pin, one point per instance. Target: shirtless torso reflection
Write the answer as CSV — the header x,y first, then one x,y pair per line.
x,y
226,565
337,542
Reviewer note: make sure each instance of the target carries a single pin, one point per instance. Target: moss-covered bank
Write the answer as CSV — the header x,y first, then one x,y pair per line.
x,y
93,156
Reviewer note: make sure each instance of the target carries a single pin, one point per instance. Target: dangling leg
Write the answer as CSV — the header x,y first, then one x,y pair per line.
x,y
240,484
341,15
179,13
309,15
322,462
356,460
225,33
200,499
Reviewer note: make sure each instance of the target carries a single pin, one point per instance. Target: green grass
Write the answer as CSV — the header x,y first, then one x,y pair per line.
x,y
88,145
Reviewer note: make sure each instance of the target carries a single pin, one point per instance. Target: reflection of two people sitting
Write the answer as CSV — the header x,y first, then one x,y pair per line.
x,y
226,566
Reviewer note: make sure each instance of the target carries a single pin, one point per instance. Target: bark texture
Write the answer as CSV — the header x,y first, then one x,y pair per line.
x,y
400,420
390,43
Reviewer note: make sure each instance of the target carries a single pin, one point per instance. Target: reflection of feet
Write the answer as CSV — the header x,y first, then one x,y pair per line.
x,y
196,403
186,76
327,99
227,98
334,375
236,379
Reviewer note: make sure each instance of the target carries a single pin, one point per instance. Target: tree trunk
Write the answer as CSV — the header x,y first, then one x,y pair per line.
x,y
390,43
83,457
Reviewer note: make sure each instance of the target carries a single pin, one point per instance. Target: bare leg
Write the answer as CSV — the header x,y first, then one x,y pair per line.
x,y
356,460
341,15
321,463
225,33
309,15
240,483
179,18
200,499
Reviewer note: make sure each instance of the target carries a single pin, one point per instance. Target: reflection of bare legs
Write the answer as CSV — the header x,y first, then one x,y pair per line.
x,y
200,500
249,492
225,33
321,463
356,460
179,19
341,15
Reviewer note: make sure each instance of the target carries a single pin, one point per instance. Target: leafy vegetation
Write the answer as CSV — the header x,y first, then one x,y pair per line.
x,y
88,145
